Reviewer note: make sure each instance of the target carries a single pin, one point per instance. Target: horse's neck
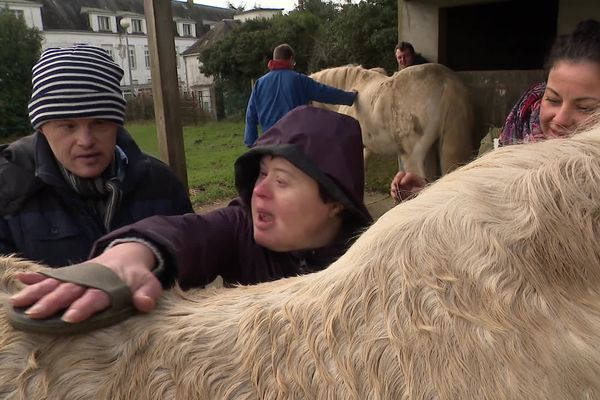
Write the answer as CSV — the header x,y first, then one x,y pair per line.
x,y
349,78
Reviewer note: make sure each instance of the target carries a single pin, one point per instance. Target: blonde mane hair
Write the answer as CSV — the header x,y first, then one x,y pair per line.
x,y
348,77
485,286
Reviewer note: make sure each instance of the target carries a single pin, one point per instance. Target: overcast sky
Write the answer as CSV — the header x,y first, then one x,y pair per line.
x,y
287,5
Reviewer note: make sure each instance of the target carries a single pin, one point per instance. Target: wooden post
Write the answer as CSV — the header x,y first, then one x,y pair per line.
x,y
165,86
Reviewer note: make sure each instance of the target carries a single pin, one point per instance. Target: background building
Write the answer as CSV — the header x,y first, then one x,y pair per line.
x,y
97,22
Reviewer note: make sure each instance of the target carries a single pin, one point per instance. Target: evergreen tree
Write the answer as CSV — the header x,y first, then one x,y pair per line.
x,y
322,34
19,50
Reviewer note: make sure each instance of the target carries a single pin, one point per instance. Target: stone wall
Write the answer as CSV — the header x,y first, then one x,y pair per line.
x,y
495,92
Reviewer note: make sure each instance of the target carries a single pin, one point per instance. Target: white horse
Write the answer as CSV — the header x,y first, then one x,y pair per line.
x,y
484,286
422,113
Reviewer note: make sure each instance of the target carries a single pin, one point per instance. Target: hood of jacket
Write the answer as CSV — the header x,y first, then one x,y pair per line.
x,y
325,145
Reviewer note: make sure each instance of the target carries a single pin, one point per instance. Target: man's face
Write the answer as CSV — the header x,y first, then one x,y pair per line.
x,y
405,58
84,146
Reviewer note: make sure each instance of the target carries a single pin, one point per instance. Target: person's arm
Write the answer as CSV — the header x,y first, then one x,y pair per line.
x,y
406,185
195,249
132,262
328,94
251,130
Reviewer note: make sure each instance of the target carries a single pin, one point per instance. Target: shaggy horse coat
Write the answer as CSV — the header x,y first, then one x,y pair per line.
x,y
422,113
485,286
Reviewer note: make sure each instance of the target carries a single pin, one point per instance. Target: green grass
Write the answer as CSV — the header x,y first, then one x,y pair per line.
x,y
380,172
210,151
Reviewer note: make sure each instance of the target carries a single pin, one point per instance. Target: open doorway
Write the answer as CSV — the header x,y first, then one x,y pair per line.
x,y
507,35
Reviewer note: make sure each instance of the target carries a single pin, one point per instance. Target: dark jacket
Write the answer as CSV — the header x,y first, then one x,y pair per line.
x,y
419,59
280,91
43,219
325,145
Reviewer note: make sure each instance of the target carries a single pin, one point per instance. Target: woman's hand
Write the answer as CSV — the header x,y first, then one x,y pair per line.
x,y
405,185
131,261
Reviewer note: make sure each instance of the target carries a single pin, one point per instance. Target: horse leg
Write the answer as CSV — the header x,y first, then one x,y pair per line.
x,y
454,153
366,155
456,145
418,161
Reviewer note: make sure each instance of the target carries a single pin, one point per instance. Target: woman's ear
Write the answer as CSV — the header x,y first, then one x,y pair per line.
x,y
335,208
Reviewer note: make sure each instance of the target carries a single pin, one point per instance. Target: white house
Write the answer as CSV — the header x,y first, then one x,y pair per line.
x,y
257,13
198,85
97,22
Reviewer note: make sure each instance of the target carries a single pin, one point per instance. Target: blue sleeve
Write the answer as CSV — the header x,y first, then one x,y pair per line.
x,y
251,132
328,94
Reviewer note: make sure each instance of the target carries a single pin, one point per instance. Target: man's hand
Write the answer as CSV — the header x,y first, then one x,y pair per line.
x,y
132,262
405,185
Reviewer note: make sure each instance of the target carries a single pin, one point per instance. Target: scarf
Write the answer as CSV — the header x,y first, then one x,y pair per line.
x,y
103,193
280,64
523,122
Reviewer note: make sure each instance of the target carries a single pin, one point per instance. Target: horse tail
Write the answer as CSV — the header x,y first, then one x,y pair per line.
x,y
456,146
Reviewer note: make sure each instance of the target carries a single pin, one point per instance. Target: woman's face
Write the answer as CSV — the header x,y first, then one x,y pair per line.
x,y
571,97
84,146
287,212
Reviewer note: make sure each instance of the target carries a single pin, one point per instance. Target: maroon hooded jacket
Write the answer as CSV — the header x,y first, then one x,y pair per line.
x,y
326,146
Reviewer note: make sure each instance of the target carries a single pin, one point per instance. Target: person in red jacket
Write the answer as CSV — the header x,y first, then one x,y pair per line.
x,y
300,207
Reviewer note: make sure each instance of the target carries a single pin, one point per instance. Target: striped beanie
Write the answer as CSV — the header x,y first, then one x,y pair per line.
x,y
81,81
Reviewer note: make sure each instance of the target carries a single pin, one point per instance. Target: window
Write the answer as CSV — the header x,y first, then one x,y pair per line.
x,y
137,26
103,23
147,57
132,62
109,50
186,29
18,13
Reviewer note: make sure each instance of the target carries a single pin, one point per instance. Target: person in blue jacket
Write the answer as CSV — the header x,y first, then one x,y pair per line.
x,y
282,89
80,174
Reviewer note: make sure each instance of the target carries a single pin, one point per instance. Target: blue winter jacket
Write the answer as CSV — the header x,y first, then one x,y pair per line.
x,y
281,90
43,219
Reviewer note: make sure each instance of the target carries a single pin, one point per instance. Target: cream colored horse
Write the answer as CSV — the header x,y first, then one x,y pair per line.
x,y
485,286
422,113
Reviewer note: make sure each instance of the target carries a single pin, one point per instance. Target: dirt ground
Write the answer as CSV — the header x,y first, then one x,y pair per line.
x,y
377,204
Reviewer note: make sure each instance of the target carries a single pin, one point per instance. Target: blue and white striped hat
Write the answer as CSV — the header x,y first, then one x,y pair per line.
x,y
81,81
